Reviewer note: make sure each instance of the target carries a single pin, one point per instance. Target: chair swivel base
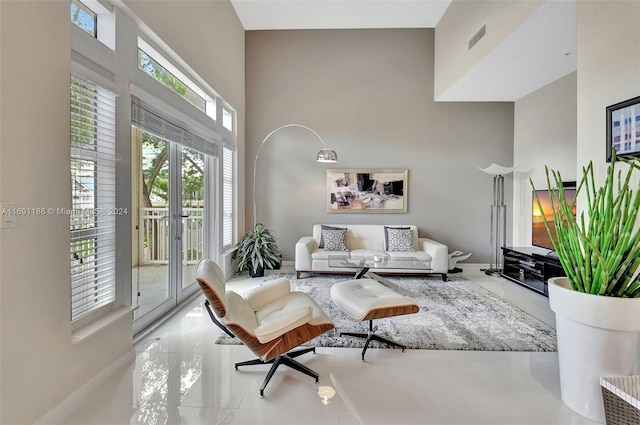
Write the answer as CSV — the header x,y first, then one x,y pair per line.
x,y
286,359
372,337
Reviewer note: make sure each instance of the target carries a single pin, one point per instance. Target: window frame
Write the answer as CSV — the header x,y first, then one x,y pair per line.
x,y
83,8
98,60
104,22
97,222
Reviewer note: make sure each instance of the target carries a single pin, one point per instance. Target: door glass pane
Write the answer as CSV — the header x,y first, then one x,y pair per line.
x,y
193,201
151,221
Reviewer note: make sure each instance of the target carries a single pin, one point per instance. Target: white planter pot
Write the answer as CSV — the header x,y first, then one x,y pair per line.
x,y
597,336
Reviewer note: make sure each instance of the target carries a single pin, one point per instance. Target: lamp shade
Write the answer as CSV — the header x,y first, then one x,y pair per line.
x,y
497,170
327,155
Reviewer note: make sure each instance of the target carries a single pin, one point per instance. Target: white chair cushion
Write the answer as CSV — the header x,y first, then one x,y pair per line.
x,y
322,254
282,321
366,253
419,255
239,312
360,296
267,292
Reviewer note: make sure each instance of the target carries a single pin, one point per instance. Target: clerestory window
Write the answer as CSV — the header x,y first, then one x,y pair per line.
x,y
152,68
85,18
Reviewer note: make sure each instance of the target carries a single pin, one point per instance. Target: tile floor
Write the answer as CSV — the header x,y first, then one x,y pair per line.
x,y
180,376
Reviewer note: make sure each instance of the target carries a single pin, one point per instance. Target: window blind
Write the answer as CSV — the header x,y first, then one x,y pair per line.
x,y
152,119
93,212
227,197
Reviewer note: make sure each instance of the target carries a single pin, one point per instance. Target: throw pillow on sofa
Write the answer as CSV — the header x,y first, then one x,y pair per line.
x,y
323,227
399,239
335,239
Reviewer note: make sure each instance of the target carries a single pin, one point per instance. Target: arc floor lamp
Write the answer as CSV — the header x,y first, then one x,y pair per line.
x,y
498,216
325,155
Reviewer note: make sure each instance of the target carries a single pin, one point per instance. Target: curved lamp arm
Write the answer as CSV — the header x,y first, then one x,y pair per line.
x,y
255,162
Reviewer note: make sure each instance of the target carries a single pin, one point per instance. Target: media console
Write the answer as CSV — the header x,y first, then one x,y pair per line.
x,y
530,267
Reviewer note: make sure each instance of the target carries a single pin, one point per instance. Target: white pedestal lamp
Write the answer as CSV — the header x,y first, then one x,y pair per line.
x,y
325,155
498,217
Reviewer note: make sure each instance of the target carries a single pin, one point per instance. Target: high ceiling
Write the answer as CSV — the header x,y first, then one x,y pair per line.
x,y
334,14
540,51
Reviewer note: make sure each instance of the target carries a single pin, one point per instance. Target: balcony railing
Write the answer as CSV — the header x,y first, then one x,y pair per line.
x,y
157,237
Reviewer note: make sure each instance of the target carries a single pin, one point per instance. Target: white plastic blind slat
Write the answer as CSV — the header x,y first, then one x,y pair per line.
x,y
92,214
151,119
227,197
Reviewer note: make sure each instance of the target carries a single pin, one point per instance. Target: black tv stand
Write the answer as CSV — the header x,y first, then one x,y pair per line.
x,y
531,267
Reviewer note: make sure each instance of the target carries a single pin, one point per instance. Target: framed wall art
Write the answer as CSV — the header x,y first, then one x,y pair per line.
x,y
623,128
369,190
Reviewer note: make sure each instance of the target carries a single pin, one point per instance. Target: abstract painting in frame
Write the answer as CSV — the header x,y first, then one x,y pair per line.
x,y
369,190
623,128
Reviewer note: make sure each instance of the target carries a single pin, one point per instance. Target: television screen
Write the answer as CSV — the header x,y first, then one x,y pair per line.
x,y
539,235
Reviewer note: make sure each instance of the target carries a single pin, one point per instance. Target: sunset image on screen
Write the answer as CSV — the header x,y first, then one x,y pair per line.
x,y
539,235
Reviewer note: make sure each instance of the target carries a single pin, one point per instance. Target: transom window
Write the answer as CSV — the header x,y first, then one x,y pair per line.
x,y
159,73
84,18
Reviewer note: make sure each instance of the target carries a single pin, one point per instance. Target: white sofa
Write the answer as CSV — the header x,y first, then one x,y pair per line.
x,y
366,240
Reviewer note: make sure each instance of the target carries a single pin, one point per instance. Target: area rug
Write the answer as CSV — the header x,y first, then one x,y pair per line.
x,y
454,315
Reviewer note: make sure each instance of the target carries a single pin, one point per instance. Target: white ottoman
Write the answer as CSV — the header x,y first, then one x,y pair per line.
x,y
367,299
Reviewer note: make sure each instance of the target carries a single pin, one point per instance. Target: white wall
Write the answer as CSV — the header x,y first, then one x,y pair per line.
x,y
461,21
369,94
544,134
40,367
608,72
608,69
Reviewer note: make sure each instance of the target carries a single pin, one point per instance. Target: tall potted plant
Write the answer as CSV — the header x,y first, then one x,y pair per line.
x,y
597,304
256,251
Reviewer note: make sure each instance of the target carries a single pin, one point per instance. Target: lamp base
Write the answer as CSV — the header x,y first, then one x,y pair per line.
x,y
493,272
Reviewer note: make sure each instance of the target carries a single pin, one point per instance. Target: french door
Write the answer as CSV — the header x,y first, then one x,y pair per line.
x,y
171,195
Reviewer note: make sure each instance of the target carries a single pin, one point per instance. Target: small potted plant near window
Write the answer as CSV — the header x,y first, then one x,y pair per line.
x,y
597,304
256,251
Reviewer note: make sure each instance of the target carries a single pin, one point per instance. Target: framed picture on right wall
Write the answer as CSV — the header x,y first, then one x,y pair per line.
x,y
623,128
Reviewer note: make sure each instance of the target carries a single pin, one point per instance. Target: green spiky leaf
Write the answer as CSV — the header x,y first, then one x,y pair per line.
x,y
600,249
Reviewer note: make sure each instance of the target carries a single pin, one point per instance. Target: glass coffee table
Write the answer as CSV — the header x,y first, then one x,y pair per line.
x,y
365,266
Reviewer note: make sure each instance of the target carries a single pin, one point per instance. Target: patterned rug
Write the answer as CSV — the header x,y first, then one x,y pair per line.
x,y
454,315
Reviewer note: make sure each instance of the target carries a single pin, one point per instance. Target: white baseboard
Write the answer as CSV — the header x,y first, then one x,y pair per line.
x,y
56,415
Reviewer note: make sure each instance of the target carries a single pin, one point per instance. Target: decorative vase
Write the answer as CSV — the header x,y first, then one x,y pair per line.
x,y
597,337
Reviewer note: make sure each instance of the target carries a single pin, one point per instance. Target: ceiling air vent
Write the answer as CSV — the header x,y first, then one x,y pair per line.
x,y
478,36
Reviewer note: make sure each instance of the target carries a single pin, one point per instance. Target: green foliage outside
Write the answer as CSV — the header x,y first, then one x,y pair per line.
x,y
162,75
156,173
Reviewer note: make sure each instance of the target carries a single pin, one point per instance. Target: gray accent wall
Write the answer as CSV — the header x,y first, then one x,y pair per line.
x,y
369,94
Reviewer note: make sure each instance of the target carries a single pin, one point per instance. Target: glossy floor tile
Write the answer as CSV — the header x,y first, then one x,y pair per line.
x,y
180,376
